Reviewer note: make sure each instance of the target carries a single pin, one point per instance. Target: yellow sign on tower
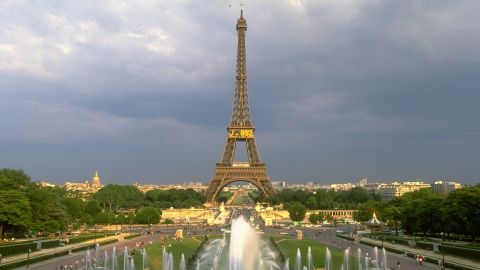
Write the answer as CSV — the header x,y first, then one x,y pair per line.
x,y
242,133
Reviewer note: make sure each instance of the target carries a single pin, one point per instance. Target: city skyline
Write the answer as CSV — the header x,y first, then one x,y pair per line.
x,y
339,90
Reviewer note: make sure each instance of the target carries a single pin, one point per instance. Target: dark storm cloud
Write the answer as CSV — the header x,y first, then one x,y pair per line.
x,y
339,89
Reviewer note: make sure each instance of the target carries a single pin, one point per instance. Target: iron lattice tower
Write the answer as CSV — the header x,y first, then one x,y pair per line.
x,y
240,129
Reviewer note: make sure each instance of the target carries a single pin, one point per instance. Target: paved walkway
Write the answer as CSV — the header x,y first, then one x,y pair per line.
x,y
46,251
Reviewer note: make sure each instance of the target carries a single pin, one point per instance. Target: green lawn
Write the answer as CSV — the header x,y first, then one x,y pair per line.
x,y
241,200
186,246
288,246
289,249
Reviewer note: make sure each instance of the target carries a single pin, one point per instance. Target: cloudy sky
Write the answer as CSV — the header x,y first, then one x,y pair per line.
x,y
142,90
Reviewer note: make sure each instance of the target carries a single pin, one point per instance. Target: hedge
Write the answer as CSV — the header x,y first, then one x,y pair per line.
x,y
50,244
386,248
108,242
130,236
346,237
459,251
33,260
92,246
17,248
86,238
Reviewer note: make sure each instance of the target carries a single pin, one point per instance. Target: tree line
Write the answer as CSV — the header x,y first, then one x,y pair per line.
x,y
26,207
425,212
324,199
419,212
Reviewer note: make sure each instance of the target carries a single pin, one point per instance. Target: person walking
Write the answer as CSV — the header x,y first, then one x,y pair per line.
x,y
398,264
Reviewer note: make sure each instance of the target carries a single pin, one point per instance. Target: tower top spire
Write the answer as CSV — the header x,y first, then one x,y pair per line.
x,y
241,110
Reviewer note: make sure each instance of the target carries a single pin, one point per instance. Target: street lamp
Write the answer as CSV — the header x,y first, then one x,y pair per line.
x,y
442,266
383,232
29,250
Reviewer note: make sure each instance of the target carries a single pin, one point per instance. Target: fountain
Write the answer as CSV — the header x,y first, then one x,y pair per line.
x,y
309,259
346,258
246,251
167,262
144,258
359,259
298,260
132,264
366,261
384,258
114,258
125,259
105,259
375,252
87,259
183,265
243,246
97,249
328,260
286,266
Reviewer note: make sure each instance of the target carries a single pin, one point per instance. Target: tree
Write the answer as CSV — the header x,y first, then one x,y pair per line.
x,y
92,208
296,211
311,203
224,196
109,197
75,208
48,214
316,218
394,213
320,217
14,179
14,210
465,203
147,215
177,198
87,220
105,218
329,218
365,210
420,211
133,197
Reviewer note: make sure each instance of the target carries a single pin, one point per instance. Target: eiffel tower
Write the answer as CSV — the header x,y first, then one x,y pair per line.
x,y
240,129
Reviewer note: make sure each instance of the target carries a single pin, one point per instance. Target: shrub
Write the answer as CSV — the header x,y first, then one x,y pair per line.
x,y
168,221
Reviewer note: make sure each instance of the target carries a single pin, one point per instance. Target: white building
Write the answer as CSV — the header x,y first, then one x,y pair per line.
x,y
444,187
